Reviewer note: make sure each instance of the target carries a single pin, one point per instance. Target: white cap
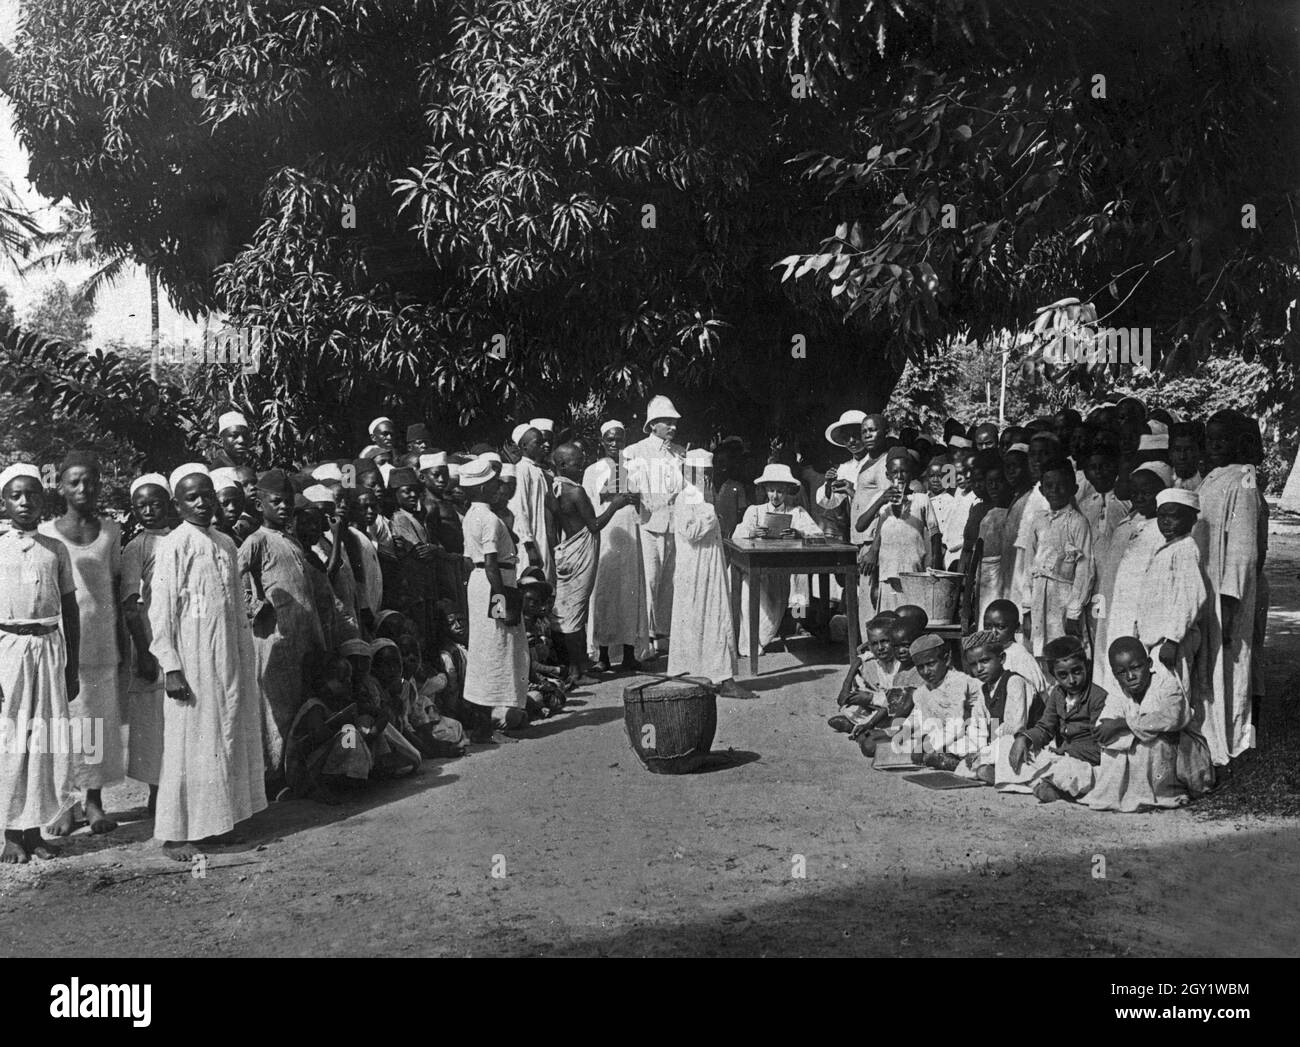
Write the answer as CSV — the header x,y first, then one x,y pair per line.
x,y
1155,442
19,469
1022,448
477,472
517,433
157,479
432,461
775,473
542,425
960,441
611,424
1161,469
223,478
181,471
1179,497
492,456
507,470
699,458
231,420
659,407
377,422
370,450
319,493
327,471
384,469
849,419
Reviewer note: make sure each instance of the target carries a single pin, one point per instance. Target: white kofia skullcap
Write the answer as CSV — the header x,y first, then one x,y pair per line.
x,y
960,441
19,469
611,424
1153,443
157,479
181,471
1179,497
518,433
775,473
377,423
507,470
477,472
319,493
1022,448
231,420
1161,469
223,478
327,471
384,469
432,461
851,419
542,425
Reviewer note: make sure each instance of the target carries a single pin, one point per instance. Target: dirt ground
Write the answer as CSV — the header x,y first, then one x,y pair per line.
x,y
602,858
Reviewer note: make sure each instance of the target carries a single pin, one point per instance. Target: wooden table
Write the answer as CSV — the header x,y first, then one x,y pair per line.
x,y
754,557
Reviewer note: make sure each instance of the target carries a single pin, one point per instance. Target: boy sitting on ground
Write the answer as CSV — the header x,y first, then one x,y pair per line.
x,y
324,749
1008,699
947,722
546,694
869,696
1057,757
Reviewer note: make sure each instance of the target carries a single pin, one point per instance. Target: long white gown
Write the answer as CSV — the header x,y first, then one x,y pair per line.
x,y
496,673
212,769
618,601
703,642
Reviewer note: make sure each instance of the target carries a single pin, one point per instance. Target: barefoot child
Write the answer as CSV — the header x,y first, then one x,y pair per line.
x,y
1057,757
947,721
876,689
150,498
1152,753
212,766
1175,595
38,670
1008,699
282,610
94,544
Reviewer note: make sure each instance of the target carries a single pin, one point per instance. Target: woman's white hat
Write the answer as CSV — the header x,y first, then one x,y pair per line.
x,y
775,473
849,419
659,407
477,472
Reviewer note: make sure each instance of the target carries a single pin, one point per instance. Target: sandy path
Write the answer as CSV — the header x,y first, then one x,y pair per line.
x,y
601,857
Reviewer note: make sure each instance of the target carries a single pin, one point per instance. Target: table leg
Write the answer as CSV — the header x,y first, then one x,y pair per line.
x,y
735,604
755,584
851,610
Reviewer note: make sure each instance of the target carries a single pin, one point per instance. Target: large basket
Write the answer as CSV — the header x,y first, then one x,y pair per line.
x,y
682,715
938,593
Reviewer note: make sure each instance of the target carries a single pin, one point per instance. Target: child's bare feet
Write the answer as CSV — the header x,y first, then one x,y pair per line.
x,y
181,850
98,821
36,845
64,825
13,852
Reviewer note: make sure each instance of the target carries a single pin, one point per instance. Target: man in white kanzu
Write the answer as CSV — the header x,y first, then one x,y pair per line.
x,y
618,603
655,465
704,643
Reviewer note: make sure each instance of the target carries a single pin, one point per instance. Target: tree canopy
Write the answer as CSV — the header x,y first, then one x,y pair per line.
x,y
386,187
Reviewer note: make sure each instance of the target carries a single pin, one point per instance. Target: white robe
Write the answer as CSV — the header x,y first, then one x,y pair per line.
x,y
212,769
703,642
1121,578
619,614
496,669
1173,603
529,507
655,472
1162,760
778,591
371,594
1227,535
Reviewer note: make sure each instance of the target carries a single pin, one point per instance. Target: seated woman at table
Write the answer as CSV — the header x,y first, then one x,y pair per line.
x,y
776,591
